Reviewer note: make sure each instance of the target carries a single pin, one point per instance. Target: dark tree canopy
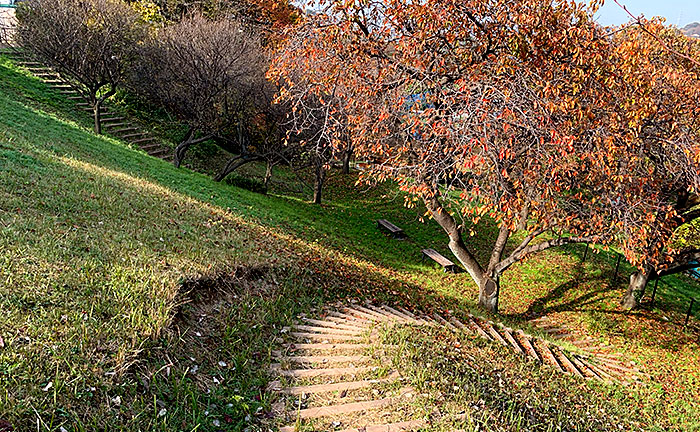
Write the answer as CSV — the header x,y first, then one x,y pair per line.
x,y
207,73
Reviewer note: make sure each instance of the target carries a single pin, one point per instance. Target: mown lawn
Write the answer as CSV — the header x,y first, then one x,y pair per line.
x,y
136,296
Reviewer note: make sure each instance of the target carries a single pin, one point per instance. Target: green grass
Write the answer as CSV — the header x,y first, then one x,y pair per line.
x,y
106,310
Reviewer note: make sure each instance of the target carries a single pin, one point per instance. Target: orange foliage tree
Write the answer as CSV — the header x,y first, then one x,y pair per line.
x,y
652,140
499,110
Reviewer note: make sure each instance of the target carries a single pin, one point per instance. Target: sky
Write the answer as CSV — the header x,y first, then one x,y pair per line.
x,y
676,12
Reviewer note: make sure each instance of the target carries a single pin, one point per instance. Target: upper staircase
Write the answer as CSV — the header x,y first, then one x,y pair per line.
x,y
113,123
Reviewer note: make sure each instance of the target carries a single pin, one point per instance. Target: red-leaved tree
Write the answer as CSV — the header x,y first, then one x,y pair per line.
x,y
493,110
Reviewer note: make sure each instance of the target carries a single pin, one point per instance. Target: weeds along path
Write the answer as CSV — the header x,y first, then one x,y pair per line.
x,y
332,375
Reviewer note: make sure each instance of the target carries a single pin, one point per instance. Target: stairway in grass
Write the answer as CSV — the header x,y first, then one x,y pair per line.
x,y
327,378
609,361
112,123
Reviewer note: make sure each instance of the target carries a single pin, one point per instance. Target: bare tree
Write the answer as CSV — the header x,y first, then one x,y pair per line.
x,y
91,41
208,74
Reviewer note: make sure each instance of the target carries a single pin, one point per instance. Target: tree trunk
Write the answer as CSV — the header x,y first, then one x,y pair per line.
x,y
233,164
186,143
635,290
318,183
97,117
347,157
268,174
489,287
180,151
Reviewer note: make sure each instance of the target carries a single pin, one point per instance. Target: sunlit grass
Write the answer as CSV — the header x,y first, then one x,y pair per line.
x,y
96,239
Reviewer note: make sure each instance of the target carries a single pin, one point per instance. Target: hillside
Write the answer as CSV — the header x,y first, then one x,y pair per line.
x,y
692,29
136,296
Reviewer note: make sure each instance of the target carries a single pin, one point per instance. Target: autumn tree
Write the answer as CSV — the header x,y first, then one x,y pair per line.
x,y
653,138
208,74
481,110
91,41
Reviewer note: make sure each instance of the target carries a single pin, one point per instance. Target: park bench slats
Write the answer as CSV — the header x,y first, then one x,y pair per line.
x,y
434,255
393,229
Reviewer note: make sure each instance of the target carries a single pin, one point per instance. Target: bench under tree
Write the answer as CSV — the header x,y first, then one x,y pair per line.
x,y
395,231
446,264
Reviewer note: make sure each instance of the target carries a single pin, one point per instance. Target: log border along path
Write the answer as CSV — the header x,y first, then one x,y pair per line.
x,y
332,351
113,123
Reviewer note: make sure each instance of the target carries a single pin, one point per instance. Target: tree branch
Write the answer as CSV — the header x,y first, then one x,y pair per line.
x,y
520,254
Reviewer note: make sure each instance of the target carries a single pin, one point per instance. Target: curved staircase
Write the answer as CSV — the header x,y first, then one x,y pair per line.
x,y
328,379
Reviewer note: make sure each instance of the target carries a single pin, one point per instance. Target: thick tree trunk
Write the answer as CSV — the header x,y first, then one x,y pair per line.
x,y
182,148
489,289
97,116
186,143
347,157
635,290
180,151
318,183
488,283
268,174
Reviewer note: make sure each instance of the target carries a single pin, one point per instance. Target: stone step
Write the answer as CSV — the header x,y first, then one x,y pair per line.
x,y
324,336
600,372
365,315
393,315
342,318
150,147
327,388
378,313
327,330
444,322
329,346
113,125
405,426
321,359
618,367
549,357
143,140
90,110
326,372
489,327
587,371
527,344
331,324
133,135
402,314
510,337
332,410
568,364
479,329
123,130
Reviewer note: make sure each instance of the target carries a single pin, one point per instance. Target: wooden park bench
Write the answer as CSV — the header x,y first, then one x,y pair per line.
x,y
446,264
393,229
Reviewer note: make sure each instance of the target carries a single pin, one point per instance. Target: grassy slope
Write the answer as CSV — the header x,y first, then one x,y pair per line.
x,y
96,238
